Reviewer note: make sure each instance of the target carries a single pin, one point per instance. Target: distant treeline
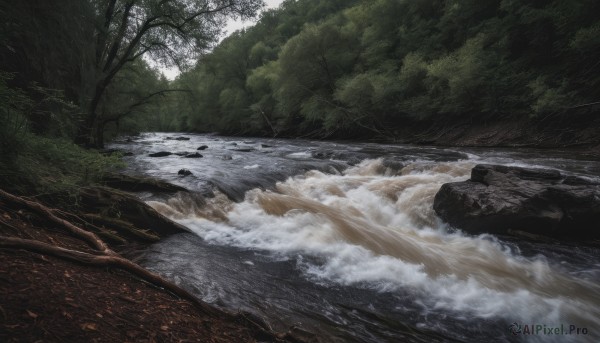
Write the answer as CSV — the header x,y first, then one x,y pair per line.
x,y
348,68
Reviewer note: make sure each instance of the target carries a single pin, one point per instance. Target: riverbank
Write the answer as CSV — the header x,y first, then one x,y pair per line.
x,y
57,287
576,132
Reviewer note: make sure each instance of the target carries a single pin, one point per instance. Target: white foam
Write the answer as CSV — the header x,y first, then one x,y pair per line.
x,y
300,155
353,222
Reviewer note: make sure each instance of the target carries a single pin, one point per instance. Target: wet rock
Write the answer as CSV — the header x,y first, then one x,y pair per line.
x,y
111,203
140,184
265,146
203,147
226,157
178,138
322,155
184,172
393,165
243,150
161,154
501,199
181,153
352,158
194,155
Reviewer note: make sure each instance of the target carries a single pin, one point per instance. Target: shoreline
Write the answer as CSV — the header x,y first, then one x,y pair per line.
x,y
68,293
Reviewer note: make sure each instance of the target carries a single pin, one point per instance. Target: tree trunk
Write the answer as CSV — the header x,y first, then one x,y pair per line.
x,y
84,134
99,134
87,133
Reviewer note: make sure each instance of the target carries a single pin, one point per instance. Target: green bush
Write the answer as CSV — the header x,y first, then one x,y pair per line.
x,y
53,165
32,164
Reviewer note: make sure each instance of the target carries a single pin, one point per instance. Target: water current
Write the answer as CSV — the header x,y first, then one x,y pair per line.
x,y
340,241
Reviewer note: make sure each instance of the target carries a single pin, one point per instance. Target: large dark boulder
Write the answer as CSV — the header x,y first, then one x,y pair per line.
x,y
503,199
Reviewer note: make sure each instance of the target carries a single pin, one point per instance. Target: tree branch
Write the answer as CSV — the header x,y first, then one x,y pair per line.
x,y
48,213
105,261
119,39
143,101
103,34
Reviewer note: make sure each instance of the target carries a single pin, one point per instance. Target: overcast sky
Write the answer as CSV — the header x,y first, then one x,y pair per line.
x,y
232,26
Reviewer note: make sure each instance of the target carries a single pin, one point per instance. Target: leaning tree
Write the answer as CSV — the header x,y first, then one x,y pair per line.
x,y
171,32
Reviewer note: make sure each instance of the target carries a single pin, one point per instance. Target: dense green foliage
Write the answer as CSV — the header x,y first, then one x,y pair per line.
x,y
35,164
350,68
343,68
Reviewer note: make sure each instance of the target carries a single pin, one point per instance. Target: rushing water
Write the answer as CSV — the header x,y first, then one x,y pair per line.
x,y
340,240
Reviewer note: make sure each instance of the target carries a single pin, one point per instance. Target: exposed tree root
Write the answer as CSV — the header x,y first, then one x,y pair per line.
x,y
106,257
103,261
122,225
88,237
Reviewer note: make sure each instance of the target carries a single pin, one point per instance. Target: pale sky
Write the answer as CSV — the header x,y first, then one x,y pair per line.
x,y
232,26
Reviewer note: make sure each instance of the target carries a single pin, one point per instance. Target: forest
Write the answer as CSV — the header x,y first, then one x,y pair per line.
x,y
350,69
76,74
342,69
340,170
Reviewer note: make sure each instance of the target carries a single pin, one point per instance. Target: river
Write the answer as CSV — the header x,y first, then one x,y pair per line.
x,y
340,240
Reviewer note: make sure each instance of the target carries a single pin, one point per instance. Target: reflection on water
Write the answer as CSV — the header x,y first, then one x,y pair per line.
x,y
341,240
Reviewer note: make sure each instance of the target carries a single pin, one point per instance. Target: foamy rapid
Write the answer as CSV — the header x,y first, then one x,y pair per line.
x,y
375,227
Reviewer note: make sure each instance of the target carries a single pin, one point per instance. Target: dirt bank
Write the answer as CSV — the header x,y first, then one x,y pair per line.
x,y
51,299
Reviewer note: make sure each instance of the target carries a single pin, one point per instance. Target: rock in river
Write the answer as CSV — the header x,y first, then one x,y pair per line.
x,y
502,199
161,154
194,155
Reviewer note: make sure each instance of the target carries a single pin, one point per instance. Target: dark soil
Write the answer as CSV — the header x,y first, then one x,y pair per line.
x,y
47,299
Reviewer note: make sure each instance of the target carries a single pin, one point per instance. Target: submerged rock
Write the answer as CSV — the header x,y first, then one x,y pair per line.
x,y
161,154
184,172
179,138
203,147
194,155
502,199
243,149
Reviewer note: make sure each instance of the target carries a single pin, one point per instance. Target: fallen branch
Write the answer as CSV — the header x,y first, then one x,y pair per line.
x,y
121,225
108,258
103,261
46,212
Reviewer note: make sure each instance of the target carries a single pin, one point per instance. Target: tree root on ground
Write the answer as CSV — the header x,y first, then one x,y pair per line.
x,y
106,257
88,237
103,261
